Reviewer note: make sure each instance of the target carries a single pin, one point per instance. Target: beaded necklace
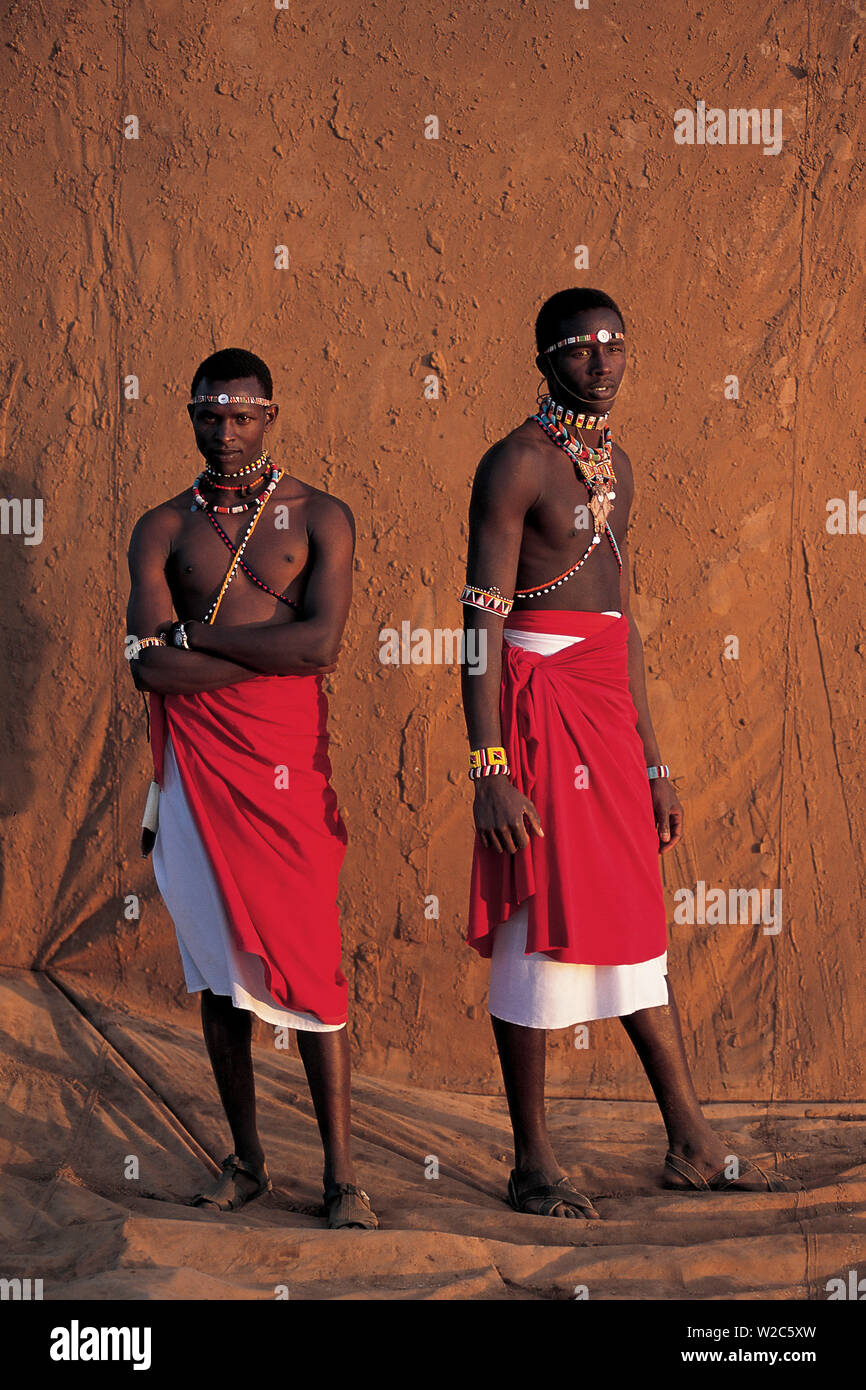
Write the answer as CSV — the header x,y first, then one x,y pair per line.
x,y
238,553
199,501
245,567
258,466
229,487
594,468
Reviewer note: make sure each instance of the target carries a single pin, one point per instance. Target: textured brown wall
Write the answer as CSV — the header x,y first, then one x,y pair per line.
x,y
409,256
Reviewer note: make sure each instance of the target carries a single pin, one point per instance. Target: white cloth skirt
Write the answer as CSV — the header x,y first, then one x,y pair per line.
x,y
538,991
191,893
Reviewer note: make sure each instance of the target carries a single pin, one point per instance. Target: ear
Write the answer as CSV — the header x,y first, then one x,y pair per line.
x,y
541,363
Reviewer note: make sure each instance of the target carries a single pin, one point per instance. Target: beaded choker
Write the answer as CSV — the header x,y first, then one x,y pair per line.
x,y
258,466
573,417
274,476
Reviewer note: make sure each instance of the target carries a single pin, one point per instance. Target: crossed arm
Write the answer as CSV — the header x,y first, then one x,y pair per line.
x,y
222,655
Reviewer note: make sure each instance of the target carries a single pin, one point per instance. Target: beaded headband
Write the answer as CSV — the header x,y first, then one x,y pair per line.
x,y
603,335
223,399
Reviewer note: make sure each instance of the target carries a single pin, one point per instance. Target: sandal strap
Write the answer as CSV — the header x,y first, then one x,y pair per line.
x,y
719,1182
241,1165
687,1170
559,1193
229,1167
348,1189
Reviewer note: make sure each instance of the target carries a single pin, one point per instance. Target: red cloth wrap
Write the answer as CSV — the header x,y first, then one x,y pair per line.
x,y
275,851
592,883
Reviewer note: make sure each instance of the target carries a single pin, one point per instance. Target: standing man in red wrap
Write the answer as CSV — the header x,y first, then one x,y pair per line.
x,y
572,803
257,567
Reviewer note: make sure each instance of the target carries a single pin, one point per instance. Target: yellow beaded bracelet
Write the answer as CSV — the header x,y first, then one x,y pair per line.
x,y
487,762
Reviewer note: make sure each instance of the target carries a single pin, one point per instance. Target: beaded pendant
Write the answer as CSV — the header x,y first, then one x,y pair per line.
x,y
593,466
595,469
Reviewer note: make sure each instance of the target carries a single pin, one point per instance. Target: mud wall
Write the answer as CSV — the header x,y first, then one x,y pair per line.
x,y
415,253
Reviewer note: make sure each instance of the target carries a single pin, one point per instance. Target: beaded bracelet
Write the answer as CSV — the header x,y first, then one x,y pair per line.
x,y
661,770
140,643
492,600
488,762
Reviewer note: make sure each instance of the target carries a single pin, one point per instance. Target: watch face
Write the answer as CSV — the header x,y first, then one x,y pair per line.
x,y
223,398
603,337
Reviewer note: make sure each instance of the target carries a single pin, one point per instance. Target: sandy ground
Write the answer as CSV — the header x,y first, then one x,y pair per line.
x,y
94,1087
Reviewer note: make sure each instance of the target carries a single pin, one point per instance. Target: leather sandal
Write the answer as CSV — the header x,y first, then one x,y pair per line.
x,y
689,1178
541,1198
346,1205
227,1196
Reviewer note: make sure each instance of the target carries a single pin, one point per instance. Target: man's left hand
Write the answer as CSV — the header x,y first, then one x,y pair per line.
x,y
668,813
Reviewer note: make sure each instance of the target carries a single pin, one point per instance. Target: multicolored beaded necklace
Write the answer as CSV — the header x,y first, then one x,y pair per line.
x,y
593,467
239,550
274,476
258,466
245,567
259,502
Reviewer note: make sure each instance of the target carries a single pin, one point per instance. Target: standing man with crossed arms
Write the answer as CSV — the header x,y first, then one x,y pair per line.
x,y
257,567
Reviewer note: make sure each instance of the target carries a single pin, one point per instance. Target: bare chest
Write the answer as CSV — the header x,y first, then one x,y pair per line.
x,y
562,517
276,555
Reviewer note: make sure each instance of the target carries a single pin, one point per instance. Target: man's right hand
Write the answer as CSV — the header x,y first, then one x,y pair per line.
x,y
502,814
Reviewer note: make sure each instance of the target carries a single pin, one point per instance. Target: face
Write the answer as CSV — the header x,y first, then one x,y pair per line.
x,y
231,436
590,373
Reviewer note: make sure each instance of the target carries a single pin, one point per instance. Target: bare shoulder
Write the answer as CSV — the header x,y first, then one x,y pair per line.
x,y
157,528
623,469
514,463
327,516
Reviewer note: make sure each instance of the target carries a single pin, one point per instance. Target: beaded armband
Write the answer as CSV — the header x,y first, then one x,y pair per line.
x,y
492,600
139,644
662,770
488,762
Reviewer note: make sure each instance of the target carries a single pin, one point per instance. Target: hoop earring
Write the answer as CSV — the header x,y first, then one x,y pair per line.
x,y
542,391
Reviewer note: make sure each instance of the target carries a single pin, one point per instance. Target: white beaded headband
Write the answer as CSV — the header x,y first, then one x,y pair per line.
x,y
603,335
223,399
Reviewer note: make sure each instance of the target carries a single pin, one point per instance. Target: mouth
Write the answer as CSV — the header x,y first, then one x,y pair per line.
x,y
599,390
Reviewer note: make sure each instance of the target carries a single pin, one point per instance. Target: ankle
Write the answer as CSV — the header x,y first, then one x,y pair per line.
x,y
694,1142
338,1171
253,1154
536,1155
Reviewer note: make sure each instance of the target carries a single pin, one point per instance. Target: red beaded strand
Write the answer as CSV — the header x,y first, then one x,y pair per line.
x,y
246,569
